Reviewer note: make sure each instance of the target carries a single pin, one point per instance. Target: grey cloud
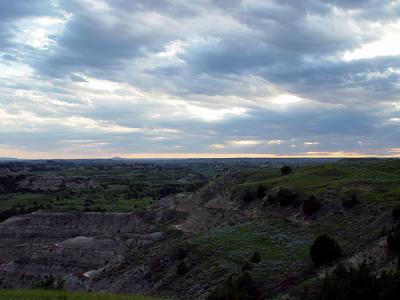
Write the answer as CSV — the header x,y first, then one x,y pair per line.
x,y
352,3
342,81
90,42
9,57
175,8
12,11
77,78
248,51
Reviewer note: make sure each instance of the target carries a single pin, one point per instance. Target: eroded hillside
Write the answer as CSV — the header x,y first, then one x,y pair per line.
x,y
256,222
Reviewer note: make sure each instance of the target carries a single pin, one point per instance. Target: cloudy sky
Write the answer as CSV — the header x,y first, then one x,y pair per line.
x,y
171,78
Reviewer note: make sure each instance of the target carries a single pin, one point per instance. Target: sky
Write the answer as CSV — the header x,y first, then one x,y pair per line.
x,y
200,78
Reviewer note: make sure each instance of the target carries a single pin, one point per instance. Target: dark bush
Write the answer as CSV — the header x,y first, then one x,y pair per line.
x,y
48,282
348,284
225,291
286,197
393,240
182,253
9,183
349,202
311,205
297,202
261,192
182,268
248,195
247,266
396,213
183,250
170,189
242,288
246,284
359,284
286,170
324,249
272,199
256,257
13,211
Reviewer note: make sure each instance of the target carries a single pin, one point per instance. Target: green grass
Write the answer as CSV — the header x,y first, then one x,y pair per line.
x,y
281,244
25,200
274,238
375,181
63,295
284,245
119,188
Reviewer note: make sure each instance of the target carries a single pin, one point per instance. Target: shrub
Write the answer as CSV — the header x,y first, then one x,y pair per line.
x,y
286,197
14,211
169,189
256,257
261,192
286,170
324,249
272,199
242,288
181,253
393,240
246,266
359,283
297,202
246,284
182,268
49,283
345,284
248,196
396,213
9,183
183,250
311,205
351,201
225,291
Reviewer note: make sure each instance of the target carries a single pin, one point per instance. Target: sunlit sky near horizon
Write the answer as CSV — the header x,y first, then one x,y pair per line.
x,y
174,78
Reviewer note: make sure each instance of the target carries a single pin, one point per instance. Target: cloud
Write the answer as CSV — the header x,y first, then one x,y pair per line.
x,y
275,142
265,77
217,146
245,142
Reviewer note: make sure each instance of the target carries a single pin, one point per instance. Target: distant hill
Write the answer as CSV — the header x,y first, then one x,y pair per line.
x,y
8,158
117,158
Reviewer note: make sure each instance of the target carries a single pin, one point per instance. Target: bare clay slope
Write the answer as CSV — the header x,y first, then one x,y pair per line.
x,y
68,245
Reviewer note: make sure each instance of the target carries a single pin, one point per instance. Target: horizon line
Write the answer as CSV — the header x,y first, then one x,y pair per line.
x,y
201,156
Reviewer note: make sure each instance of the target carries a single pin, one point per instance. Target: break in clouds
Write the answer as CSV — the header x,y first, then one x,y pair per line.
x,y
122,78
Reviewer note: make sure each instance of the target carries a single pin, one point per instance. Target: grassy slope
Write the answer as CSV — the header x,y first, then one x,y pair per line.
x,y
375,181
284,245
63,295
